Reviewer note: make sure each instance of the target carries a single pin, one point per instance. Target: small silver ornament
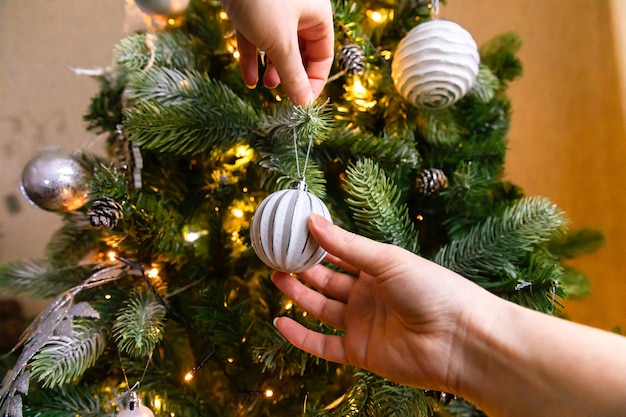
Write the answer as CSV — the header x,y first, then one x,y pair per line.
x,y
163,8
280,232
435,64
135,408
55,181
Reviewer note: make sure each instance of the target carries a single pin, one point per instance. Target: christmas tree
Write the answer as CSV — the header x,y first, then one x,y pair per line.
x,y
157,289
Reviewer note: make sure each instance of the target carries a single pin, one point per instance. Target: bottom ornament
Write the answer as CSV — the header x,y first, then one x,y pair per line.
x,y
280,232
134,408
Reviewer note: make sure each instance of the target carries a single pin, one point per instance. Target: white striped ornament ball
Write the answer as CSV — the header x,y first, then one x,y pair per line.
x,y
280,232
435,64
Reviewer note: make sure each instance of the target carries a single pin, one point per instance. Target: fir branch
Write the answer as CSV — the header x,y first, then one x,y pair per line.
x,y
308,124
66,357
574,283
347,144
537,286
139,325
486,85
374,396
490,250
438,127
108,181
71,243
186,113
577,243
171,49
41,278
375,203
281,173
70,401
278,355
105,108
499,55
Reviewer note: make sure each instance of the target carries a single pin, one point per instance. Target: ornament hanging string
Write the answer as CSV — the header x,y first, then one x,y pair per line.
x,y
137,384
301,175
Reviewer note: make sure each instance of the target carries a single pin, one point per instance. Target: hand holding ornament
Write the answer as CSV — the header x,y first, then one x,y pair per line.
x,y
419,324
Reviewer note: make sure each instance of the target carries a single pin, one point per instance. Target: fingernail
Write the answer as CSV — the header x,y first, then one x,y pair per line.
x,y
275,321
251,86
319,221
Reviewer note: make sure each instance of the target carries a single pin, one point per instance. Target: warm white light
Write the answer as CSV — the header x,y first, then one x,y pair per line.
x,y
237,212
376,16
112,255
192,236
107,297
153,273
188,376
269,393
157,402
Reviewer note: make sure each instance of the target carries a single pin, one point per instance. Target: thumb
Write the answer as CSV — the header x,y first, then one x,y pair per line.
x,y
363,253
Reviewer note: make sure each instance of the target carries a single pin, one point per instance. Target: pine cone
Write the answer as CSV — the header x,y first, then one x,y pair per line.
x,y
431,181
351,59
104,212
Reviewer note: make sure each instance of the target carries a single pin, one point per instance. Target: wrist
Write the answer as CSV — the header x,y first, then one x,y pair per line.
x,y
482,347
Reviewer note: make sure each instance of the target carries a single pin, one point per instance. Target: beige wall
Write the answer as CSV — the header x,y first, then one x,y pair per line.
x,y
567,140
41,101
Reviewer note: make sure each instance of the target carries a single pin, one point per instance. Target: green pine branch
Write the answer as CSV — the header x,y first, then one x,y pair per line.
x,y
41,278
66,357
499,54
171,49
139,326
72,242
374,396
438,127
185,112
68,401
347,144
376,205
491,250
486,85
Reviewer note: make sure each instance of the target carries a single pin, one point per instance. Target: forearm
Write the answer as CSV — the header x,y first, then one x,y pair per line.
x,y
529,364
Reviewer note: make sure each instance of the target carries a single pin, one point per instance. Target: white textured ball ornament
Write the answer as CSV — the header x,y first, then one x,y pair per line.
x,y
436,64
163,8
280,231
55,181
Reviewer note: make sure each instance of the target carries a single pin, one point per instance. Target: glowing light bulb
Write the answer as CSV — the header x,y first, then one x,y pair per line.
x,y
188,376
157,402
192,236
153,272
376,16
237,212
112,255
268,393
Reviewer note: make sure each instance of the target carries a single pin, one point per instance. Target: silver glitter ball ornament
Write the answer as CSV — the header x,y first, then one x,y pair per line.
x,y
163,8
55,181
280,230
